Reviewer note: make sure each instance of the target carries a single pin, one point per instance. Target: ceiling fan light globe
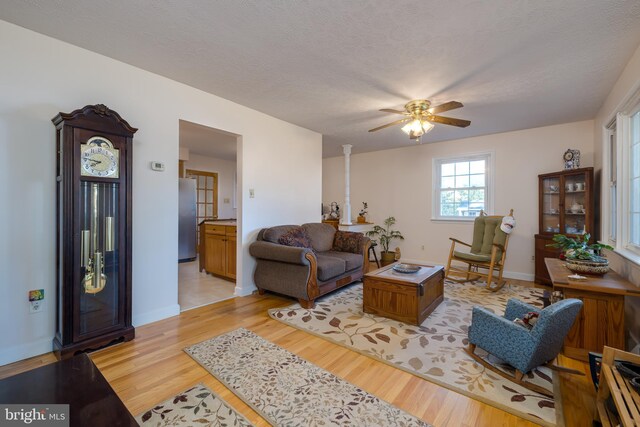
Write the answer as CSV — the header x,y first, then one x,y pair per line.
x,y
426,127
413,127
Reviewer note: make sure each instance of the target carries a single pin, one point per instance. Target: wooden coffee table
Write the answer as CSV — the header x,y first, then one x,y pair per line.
x,y
409,298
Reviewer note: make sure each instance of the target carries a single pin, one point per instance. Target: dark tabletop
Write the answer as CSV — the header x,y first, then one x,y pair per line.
x,y
75,381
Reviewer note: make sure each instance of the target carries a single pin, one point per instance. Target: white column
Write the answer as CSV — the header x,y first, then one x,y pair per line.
x,y
346,217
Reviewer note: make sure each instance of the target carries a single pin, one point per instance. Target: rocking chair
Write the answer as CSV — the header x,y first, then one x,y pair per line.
x,y
486,256
522,348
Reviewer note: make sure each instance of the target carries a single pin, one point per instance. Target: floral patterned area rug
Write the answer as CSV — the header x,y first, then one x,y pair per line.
x,y
288,390
196,406
434,350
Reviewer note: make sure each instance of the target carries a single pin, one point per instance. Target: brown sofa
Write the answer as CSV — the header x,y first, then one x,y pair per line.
x,y
334,259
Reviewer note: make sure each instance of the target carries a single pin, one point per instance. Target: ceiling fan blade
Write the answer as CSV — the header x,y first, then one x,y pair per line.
x,y
451,105
390,110
397,122
449,121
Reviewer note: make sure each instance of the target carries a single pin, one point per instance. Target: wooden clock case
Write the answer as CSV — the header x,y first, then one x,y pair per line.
x,y
87,320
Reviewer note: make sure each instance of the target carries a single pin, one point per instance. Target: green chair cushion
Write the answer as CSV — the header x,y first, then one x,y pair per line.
x,y
472,257
486,231
478,234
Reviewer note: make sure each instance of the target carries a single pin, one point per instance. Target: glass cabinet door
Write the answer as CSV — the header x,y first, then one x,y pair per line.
x,y
574,204
551,205
99,293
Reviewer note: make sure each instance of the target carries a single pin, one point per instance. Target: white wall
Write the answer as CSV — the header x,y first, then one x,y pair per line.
x,y
399,183
226,171
42,76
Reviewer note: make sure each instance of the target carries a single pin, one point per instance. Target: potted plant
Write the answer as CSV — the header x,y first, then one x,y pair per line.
x,y
361,215
386,235
580,256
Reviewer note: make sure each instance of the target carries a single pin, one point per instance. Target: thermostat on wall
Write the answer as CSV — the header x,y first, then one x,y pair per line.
x,y
157,166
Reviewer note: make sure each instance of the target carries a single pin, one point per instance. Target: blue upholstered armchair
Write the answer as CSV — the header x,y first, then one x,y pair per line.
x,y
523,348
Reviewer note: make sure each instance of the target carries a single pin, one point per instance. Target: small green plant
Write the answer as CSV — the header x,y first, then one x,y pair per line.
x,y
363,211
579,248
385,234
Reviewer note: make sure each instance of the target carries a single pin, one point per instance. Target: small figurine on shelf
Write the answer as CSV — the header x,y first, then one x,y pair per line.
x,y
335,211
361,216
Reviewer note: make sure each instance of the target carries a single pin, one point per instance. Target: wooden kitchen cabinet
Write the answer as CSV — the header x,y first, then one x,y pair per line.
x,y
230,265
218,250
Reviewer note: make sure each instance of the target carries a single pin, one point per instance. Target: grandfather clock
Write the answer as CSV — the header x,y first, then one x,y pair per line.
x,y
93,242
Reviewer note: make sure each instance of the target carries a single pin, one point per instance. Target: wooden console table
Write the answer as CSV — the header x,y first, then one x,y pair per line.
x,y
601,320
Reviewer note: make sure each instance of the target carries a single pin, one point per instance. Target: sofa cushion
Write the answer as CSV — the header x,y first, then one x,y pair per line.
x,y
329,267
272,234
348,241
321,235
352,261
295,237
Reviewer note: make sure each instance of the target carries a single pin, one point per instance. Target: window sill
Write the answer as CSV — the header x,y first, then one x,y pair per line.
x,y
628,255
453,220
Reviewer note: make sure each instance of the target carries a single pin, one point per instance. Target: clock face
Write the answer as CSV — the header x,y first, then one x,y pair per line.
x,y
568,155
99,158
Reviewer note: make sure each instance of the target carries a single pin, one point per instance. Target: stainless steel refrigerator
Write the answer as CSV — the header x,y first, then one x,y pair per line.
x,y
187,220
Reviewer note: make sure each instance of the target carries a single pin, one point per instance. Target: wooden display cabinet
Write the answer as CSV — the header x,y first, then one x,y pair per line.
x,y
218,250
565,206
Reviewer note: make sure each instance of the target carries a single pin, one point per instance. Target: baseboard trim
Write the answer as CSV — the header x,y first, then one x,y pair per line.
x,y
520,276
243,292
507,274
45,345
25,351
155,315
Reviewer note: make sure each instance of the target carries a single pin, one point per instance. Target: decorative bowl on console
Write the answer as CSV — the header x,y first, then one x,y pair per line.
x,y
591,266
582,256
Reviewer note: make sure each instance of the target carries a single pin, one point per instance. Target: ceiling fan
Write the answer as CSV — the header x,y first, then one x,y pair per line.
x,y
420,116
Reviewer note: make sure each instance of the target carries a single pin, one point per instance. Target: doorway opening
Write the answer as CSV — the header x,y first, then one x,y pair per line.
x,y
207,219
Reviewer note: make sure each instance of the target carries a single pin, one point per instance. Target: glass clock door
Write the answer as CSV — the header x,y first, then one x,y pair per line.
x,y
99,265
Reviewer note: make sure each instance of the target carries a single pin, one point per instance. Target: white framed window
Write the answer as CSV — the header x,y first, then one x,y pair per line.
x,y
633,240
613,182
621,203
462,186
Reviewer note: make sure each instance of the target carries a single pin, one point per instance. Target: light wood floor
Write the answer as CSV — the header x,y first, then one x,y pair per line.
x,y
153,367
196,288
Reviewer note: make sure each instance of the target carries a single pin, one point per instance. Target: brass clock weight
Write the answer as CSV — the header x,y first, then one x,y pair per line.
x,y
94,160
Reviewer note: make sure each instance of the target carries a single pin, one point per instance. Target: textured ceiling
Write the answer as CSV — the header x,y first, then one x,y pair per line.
x,y
207,141
330,65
